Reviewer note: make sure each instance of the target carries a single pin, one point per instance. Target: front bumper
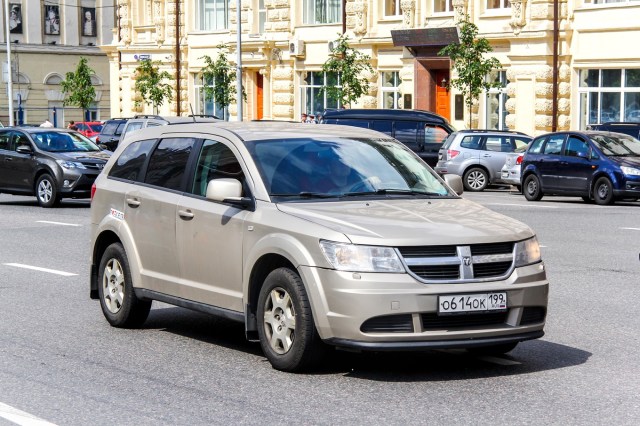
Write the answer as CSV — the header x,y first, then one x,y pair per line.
x,y
396,312
630,188
77,185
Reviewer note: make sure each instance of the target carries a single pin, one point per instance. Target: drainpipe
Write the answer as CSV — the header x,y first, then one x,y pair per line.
x,y
178,64
554,102
344,16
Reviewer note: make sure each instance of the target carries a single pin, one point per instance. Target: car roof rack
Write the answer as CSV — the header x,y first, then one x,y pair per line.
x,y
492,131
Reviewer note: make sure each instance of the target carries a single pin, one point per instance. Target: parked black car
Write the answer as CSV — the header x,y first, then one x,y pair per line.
x,y
111,132
422,131
628,128
48,163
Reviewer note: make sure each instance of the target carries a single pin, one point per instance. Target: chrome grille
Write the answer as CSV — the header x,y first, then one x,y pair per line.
x,y
477,262
94,166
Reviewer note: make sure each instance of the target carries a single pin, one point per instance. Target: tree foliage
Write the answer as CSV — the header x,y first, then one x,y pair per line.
x,y
77,87
151,84
349,65
218,80
470,63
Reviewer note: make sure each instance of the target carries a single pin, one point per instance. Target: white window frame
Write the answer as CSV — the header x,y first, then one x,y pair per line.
x,y
396,6
206,7
308,91
501,93
503,4
448,7
200,102
261,16
395,90
312,12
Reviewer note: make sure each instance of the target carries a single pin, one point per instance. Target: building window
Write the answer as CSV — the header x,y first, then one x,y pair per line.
x,y
314,100
609,95
440,6
213,14
322,11
496,112
498,4
392,8
205,105
607,1
262,16
391,90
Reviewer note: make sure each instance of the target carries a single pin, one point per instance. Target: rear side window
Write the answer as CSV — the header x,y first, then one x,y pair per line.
x,y
168,163
498,144
120,127
407,131
554,145
130,163
384,126
536,146
110,129
471,142
137,125
355,123
4,140
521,143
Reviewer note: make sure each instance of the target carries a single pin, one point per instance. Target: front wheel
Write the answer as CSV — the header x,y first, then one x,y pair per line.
x,y
603,191
118,300
47,191
475,179
287,333
531,188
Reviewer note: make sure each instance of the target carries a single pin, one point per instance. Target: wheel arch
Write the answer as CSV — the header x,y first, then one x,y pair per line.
x,y
41,171
104,240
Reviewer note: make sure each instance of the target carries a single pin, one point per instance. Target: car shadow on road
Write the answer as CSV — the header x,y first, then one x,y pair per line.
x,y
64,204
429,366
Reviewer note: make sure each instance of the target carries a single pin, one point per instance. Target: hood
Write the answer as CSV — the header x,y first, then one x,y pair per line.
x,y
411,222
627,161
88,156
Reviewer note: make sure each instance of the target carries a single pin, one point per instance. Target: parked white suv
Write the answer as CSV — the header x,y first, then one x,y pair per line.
x,y
311,236
478,155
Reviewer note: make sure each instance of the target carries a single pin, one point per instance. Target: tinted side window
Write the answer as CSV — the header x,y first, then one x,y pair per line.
x,y
434,134
575,146
215,161
120,127
134,126
521,143
498,144
109,128
554,145
471,142
130,163
355,123
407,132
168,163
536,146
4,140
383,126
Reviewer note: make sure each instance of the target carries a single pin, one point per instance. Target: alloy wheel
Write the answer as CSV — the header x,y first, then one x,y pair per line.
x,y
279,320
476,180
113,285
45,191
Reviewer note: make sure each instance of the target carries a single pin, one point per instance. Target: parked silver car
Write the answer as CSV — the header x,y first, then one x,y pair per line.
x,y
512,168
311,237
478,155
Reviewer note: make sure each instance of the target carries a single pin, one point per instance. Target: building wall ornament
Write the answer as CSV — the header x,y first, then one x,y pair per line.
x,y
408,8
518,18
459,10
158,21
125,21
357,16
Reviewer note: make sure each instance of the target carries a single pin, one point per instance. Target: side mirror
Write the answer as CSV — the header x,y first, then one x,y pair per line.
x,y
24,149
582,154
454,182
228,190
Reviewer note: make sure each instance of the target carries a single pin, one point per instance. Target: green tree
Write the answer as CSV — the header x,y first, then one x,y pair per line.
x,y
470,63
218,80
151,84
349,65
78,88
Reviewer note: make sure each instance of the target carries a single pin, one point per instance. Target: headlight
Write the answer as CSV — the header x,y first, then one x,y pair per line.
x,y
354,258
71,164
527,252
632,171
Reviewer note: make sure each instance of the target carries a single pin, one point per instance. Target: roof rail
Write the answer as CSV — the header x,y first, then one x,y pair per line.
x,y
148,116
491,131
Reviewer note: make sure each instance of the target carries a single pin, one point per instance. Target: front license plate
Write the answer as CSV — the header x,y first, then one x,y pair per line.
x,y
461,303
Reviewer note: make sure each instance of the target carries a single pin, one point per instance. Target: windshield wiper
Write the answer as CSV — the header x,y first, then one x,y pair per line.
x,y
383,191
306,194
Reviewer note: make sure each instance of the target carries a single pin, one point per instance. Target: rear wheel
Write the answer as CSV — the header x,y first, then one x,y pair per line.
x,y
531,189
475,179
47,191
118,300
603,191
287,333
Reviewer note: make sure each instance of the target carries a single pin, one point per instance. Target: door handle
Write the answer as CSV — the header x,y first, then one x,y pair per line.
x,y
133,202
185,214
487,155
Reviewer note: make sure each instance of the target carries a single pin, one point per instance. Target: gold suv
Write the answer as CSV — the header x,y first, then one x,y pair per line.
x,y
312,237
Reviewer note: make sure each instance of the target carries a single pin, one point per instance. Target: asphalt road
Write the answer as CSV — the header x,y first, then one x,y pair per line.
x,y
61,363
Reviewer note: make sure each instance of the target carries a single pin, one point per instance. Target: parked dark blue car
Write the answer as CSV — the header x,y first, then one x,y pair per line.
x,y
597,166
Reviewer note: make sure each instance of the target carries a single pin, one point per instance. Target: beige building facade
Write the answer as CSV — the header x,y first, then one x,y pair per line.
x,y
47,40
565,63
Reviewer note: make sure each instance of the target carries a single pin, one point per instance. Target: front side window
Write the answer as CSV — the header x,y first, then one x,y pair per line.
x,y
322,11
315,100
498,4
213,15
216,161
576,147
206,105
168,163
391,90
554,145
496,102
536,146
130,163
442,6
392,8
609,95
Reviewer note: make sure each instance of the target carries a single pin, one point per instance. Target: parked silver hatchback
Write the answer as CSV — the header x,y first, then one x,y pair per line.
x,y
478,155
312,237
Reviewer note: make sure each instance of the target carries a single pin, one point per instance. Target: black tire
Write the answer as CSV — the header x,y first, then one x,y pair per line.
x,y
288,345
531,188
475,179
494,349
47,191
518,188
603,191
119,303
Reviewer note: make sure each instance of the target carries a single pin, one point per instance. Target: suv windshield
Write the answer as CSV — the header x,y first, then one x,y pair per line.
x,y
314,168
63,142
617,146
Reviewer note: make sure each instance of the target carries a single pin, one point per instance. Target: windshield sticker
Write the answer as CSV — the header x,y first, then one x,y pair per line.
x,y
117,214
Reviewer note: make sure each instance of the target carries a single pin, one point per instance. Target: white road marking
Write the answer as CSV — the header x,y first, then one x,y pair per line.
x,y
499,361
20,417
632,229
57,223
521,205
37,268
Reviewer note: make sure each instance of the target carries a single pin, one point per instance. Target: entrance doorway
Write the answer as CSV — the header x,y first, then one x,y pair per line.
x,y
259,96
443,99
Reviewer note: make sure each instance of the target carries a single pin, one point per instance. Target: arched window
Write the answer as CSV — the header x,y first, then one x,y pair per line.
x,y
53,78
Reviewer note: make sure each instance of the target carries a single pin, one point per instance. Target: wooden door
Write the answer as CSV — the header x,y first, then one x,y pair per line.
x,y
259,97
443,99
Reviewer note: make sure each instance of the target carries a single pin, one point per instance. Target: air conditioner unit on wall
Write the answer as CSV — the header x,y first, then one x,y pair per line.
x,y
296,48
330,46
